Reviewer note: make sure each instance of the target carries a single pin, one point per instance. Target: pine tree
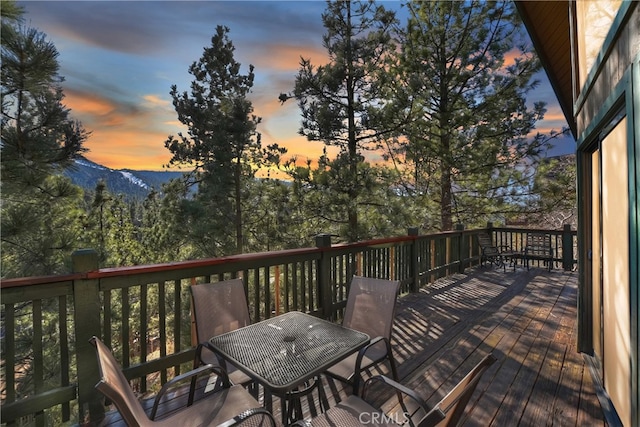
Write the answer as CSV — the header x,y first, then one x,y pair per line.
x,y
339,99
223,145
468,143
554,203
39,139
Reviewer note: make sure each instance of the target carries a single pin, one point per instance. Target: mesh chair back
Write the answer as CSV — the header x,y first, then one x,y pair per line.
x,y
450,409
116,388
371,306
219,308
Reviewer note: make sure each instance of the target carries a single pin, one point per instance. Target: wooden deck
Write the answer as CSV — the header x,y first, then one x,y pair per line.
x,y
527,319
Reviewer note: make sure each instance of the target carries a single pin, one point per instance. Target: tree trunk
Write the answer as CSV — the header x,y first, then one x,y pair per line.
x,y
352,210
445,199
238,196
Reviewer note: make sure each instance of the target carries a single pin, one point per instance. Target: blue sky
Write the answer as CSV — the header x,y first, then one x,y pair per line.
x,y
120,58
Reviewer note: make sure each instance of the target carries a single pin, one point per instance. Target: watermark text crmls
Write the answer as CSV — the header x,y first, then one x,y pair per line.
x,y
373,418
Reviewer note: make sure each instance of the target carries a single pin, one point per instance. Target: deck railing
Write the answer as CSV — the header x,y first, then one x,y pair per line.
x,y
49,369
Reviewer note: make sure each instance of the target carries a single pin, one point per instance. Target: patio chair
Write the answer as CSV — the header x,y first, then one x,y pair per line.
x,y
370,309
219,308
230,406
411,409
496,255
488,251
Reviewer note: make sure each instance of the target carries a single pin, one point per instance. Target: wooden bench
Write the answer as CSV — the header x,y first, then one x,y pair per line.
x,y
538,247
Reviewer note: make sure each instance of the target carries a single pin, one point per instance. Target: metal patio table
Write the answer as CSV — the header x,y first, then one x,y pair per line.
x,y
286,351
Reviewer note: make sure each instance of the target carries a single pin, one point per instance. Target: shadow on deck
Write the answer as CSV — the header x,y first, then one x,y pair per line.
x,y
527,319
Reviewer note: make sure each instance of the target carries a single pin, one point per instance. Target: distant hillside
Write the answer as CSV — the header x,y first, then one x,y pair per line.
x,y
131,184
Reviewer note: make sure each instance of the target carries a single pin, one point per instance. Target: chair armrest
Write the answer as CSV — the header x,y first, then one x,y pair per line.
x,y
434,416
247,415
398,387
191,375
361,354
221,361
197,359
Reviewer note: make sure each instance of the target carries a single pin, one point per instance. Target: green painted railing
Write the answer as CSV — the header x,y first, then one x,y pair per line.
x,y
49,368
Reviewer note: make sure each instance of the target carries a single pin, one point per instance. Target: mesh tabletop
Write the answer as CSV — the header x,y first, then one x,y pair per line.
x,y
286,350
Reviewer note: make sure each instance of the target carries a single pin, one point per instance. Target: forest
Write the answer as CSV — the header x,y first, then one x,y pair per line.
x,y
433,96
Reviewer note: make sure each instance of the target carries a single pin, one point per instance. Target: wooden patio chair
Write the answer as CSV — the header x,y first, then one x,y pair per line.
x,y
370,309
230,406
411,409
218,308
538,247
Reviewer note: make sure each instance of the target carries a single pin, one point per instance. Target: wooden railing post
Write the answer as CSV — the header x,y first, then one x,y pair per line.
x,y
324,277
567,248
87,309
415,260
461,256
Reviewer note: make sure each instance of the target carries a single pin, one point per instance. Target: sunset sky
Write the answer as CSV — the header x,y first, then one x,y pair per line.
x,y
120,58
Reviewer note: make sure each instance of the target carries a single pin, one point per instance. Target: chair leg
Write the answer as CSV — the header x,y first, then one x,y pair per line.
x,y
323,402
268,399
253,389
394,371
284,410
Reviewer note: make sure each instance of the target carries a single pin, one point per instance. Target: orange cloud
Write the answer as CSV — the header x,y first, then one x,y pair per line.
x,y
124,135
88,104
510,57
286,57
155,100
132,149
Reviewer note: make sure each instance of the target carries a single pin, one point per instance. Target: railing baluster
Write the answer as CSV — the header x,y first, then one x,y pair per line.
x,y
38,361
310,281
142,333
177,315
267,292
256,290
276,289
65,361
287,292
296,284
290,288
106,323
124,327
9,348
162,324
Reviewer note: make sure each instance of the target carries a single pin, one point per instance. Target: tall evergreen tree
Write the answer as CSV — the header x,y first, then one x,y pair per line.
x,y
554,203
339,99
382,209
223,145
163,226
465,73
112,227
39,139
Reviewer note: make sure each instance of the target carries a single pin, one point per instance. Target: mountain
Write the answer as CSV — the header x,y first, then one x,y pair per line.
x,y
132,184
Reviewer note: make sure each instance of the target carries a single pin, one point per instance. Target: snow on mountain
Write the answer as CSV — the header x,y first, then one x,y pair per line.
x,y
89,164
134,180
131,184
